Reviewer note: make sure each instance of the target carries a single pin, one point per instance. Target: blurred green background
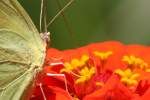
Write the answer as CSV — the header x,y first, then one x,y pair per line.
x,y
88,21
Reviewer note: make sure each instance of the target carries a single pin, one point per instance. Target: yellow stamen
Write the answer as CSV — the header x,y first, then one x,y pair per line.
x,y
103,55
67,68
82,70
84,58
75,98
147,70
86,74
99,84
134,61
75,63
127,76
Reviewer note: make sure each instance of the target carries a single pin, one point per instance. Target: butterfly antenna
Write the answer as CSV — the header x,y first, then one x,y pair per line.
x,y
45,22
68,27
41,14
45,16
60,12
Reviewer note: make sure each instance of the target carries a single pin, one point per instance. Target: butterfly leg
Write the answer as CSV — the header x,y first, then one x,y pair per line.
x,y
43,94
54,75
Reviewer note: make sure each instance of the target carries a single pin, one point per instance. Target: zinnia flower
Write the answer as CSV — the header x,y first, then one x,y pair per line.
x,y
102,71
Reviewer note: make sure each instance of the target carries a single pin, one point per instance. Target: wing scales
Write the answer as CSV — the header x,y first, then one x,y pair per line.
x,y
21,50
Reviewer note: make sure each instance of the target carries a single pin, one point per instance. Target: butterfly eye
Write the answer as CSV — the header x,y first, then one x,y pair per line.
x,y
45,37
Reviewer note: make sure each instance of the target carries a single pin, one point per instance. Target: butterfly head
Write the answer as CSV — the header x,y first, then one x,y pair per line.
x,y
45,37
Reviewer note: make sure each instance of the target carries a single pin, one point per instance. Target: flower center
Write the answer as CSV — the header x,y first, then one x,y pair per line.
x,y
80,68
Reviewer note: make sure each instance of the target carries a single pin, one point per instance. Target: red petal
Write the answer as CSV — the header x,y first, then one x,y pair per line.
x,y
106,46
113,90
53,53
139,51
76,53
146,96
136,49
51,93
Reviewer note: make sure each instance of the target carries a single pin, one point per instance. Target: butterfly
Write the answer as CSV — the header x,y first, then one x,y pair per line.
x,y
22,51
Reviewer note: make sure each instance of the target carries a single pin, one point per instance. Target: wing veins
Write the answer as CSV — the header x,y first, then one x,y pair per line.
x,y
30,46
12,82
21,14
11,61
9,30
9,6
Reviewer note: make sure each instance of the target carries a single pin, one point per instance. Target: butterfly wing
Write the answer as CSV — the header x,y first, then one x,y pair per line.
x,y
22,50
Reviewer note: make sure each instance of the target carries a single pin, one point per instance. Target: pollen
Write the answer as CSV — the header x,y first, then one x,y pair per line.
x,y
99,84
67,68
75,98
135,62
103,55
74,64
128,77
80,69
85,75
84,58
147,70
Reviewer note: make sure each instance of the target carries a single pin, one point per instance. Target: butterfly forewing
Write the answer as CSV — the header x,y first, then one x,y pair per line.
x,y
21,50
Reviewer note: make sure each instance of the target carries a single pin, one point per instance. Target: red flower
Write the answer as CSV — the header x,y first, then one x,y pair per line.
x,y
102,71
